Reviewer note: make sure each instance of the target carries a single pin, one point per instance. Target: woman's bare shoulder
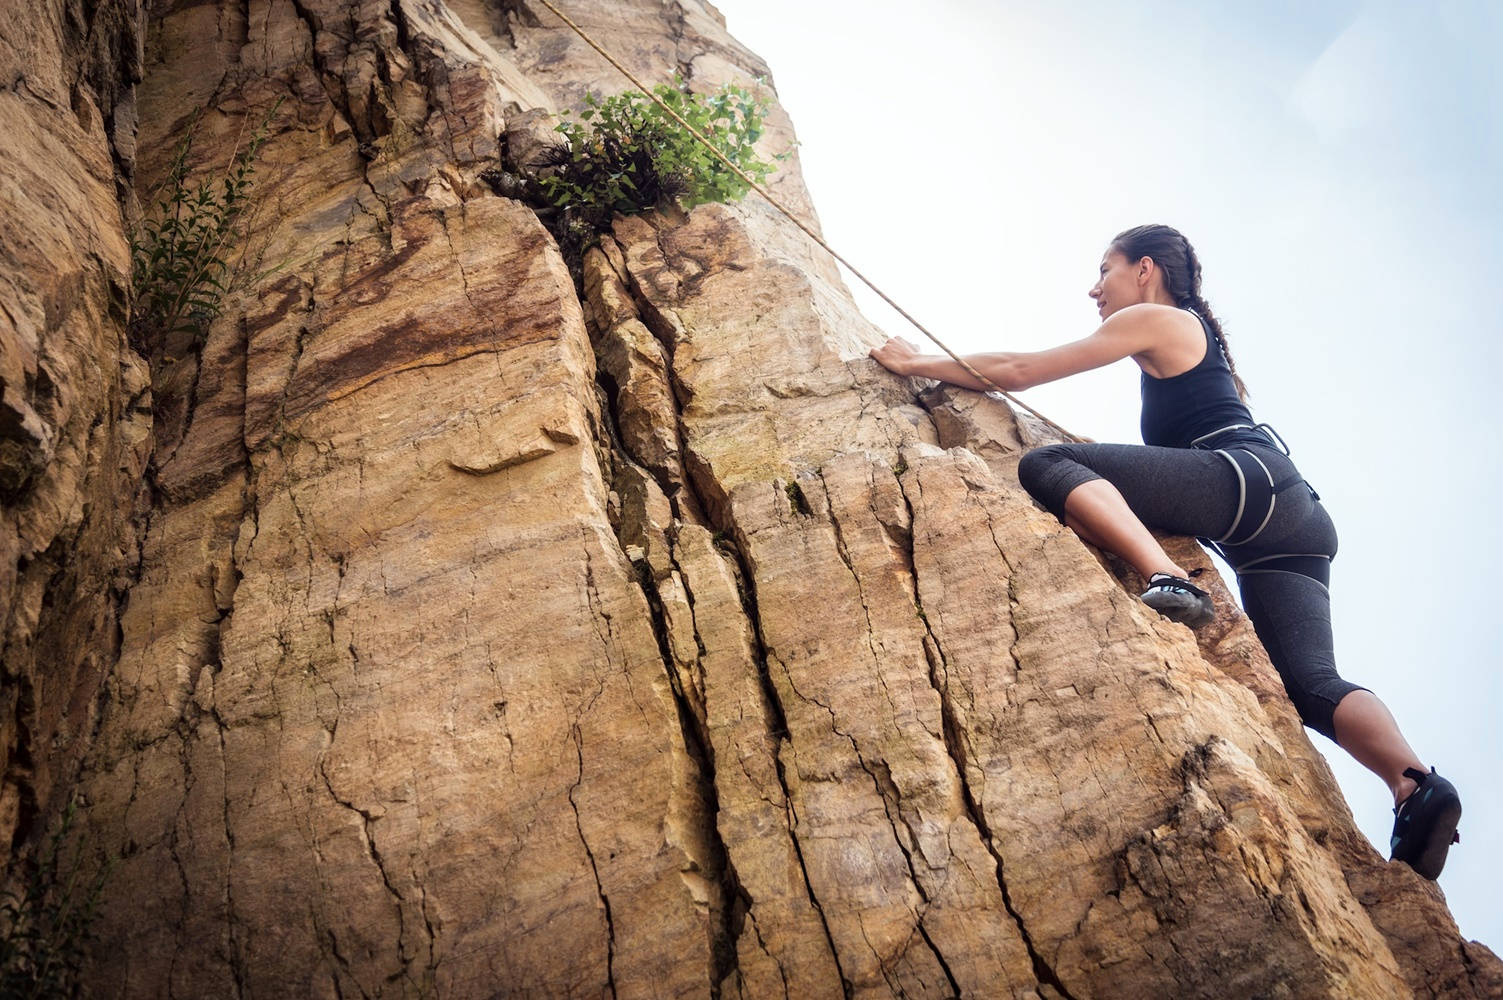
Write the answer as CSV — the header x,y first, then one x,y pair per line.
x,y
1172,339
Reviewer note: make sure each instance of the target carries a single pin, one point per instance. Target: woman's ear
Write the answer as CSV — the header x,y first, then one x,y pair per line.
x,y
1146,267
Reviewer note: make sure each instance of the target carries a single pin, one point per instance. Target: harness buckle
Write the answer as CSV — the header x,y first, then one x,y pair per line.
x,y
1274,436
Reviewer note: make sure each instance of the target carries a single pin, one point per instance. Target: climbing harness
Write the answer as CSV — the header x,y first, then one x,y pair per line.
x,y
1265,429
1257,492
1312,565
807,231
1257,497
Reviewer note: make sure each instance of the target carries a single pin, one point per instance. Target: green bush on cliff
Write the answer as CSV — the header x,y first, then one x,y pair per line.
x,y
624,155
181,254
46,921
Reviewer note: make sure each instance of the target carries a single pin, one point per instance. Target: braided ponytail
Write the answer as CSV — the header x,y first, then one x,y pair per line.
x,y
1177,260
1202,308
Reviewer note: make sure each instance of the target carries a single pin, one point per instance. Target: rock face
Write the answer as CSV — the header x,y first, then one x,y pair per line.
x,y
75,407
489,638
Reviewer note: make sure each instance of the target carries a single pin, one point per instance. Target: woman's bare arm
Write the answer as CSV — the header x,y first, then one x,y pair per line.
x,y
1138,329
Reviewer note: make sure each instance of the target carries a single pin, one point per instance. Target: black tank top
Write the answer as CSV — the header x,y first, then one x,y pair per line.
x,y
1183,407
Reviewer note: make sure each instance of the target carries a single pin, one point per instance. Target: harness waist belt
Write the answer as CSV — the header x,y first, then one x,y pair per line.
x,y
1265,429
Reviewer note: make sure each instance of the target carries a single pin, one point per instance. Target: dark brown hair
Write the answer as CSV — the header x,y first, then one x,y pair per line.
x,y
1176,258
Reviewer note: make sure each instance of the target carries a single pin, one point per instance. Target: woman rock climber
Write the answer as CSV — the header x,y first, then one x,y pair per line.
x,y
1207,469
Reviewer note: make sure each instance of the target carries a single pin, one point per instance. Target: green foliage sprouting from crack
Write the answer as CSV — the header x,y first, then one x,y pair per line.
x,y
625,155
183,262
45,923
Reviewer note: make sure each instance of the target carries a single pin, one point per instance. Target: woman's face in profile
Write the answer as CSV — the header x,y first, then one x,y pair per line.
x,y
1116,286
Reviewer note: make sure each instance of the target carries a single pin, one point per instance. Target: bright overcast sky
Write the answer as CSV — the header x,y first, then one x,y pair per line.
x,y
1337,166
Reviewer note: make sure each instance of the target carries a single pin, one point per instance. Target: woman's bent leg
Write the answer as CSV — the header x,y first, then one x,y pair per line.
x,y
1109,493
1097,512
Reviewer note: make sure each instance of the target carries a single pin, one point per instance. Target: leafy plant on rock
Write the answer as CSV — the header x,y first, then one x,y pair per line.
x,y
625,155
181,254
45,923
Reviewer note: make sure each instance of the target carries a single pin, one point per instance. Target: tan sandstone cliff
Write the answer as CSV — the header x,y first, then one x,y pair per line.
x,y
468,636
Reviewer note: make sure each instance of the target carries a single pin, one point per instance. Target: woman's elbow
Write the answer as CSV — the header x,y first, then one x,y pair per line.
x,y
1015,376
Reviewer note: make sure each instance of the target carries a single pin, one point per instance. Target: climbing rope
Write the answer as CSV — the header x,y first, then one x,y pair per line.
x,y
807,231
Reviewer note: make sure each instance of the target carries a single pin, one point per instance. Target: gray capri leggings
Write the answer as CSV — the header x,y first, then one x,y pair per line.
x,y
1283,574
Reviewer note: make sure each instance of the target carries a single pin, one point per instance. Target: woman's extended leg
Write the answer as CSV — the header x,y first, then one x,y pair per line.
x,y
1292,616
1291,613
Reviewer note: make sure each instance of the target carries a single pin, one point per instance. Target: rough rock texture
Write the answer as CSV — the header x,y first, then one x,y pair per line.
x,y
74,401
494,639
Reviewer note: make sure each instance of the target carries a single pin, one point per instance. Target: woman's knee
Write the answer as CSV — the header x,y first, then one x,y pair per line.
x,y
1317,706
1291,614
1039,472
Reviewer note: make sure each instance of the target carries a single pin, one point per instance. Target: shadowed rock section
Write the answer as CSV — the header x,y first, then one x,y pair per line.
x,y
75,403
497,637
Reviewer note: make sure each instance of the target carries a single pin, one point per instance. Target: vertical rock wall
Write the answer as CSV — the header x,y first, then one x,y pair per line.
x,y
495,639
74,401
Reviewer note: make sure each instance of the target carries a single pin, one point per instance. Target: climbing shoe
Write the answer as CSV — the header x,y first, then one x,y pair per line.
x,y
1424,826
1179,600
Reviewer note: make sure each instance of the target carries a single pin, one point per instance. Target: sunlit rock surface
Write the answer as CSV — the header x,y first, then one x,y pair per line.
x,y
482,636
